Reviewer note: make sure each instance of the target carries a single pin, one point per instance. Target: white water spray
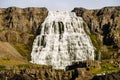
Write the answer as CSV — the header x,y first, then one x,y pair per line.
x,y
62,41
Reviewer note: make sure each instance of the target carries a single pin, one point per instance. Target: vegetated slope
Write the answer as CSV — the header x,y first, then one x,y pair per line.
x,y
18,27
8,52
104,25
9,56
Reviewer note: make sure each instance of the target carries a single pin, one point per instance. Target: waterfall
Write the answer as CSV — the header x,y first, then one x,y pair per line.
x,y
62,41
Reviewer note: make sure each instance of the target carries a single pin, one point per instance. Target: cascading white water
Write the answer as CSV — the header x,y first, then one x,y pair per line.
x,y
62,41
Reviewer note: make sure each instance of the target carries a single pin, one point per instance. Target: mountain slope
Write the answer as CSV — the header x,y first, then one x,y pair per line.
x,y
8,51
18,27
104,25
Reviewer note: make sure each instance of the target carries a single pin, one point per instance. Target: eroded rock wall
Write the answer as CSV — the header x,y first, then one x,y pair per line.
x,y
19,26
105,25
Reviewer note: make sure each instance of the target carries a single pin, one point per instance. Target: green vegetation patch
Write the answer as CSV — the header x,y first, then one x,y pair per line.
x,y
2,67
108,67
23,49
95,42
106,51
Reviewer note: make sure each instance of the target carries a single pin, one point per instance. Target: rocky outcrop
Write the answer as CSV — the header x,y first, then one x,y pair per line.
x,y
108,76
22,20
35,72
105,25
19,26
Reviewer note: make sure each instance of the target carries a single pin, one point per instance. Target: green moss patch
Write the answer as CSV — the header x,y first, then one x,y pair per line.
x,y
2,67
108,67
23,49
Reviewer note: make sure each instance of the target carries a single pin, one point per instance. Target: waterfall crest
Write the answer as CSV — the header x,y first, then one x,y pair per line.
x,y
62,41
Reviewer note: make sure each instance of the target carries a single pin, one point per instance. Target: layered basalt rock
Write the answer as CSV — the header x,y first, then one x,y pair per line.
x,y
19,26
104,23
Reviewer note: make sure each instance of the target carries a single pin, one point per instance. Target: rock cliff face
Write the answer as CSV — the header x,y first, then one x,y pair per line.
x,y
104,25
19,26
